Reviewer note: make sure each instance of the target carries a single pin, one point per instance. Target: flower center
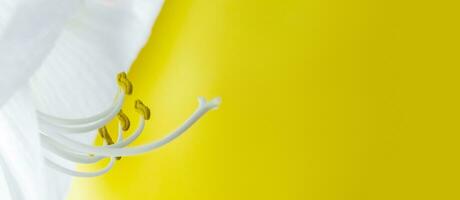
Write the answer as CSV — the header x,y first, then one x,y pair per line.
x,y
53,131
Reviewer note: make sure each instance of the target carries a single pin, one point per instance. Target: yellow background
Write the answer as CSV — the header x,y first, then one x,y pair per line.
x,y
321,100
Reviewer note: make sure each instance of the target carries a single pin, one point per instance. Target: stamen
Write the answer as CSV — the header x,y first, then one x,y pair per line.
x,y
75,173
203,108
70,172
120,133
66,153
82,128
43,117
142,109
106,136
53,128
125,83
126,87
124,120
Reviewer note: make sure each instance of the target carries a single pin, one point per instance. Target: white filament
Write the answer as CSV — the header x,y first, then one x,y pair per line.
x,y
70,172
53,124
69,154
78,152
47,118
120,134
203,108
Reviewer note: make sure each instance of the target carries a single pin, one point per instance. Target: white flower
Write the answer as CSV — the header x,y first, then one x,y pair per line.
x,y
58,60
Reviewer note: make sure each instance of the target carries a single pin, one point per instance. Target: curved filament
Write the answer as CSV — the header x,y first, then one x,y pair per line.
x,y
129,151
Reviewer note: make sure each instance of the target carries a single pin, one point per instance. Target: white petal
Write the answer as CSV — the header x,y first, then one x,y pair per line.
x,y
78,78
28,29
20,151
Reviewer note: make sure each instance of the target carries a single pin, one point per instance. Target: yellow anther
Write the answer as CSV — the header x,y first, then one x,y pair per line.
x,y
124,120
142,109
124,83
106,136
